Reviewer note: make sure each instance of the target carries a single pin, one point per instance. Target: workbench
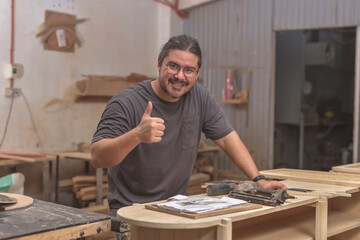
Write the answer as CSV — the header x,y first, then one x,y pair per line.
x,y
45,220
149,224
329,211
44,162
343,217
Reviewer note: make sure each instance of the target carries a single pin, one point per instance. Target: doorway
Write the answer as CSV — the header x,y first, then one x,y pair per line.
x,y
314,98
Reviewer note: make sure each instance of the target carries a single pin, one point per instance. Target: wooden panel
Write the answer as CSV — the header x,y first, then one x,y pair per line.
x,y
173,234
319,189
350,235
78,155
342,221
139,215
341,179
278,225
348,168
73,232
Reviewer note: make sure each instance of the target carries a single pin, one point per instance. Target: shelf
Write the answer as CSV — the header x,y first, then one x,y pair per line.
x,y
339,222
233,101
298,228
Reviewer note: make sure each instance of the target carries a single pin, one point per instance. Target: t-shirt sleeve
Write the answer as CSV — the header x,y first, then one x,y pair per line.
x,y
216,124
114,121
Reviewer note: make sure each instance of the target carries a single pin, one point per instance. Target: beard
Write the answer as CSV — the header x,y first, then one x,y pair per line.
x,y
165,84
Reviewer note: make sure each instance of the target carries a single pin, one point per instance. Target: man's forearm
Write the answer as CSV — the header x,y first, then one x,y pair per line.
x,y
110,152
237,152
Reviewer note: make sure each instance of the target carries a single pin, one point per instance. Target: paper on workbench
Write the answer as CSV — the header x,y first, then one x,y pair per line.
x,y
201,204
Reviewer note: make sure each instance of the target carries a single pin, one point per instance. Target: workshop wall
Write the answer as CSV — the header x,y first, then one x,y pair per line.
x,y
238,34
241,33
118,38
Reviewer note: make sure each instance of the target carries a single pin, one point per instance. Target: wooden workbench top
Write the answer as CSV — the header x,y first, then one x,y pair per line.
x,y
44,218
11,162
140,216
333,178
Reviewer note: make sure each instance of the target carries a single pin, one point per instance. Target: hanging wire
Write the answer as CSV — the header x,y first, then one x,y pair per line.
x,y
32,120
7,120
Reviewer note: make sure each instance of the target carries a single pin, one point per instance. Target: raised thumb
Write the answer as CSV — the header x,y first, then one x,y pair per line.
x,y
148,110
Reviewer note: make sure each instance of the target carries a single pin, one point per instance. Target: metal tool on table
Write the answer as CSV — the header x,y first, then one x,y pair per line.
x,y
249,191
6,200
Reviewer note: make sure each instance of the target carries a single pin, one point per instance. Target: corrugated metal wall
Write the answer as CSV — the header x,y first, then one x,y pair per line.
x,y
307,14
240,33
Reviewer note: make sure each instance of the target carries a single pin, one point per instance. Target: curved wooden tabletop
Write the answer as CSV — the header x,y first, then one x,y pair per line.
x,y
140,216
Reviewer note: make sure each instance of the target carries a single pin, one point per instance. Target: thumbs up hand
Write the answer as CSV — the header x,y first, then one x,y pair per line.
x,y
150,129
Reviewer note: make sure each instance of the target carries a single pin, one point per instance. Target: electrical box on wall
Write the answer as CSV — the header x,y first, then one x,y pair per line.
x,y
13,71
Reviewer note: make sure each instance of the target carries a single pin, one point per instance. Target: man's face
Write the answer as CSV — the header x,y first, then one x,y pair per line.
x,y
177,74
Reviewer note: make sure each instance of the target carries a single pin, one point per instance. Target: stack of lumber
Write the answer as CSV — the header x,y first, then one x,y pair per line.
x,y
202,172
84,187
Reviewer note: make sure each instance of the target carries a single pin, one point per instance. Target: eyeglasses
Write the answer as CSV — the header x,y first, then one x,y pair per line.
x,y
173,68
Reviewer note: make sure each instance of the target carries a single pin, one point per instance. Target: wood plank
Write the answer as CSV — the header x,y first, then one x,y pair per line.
x,y
89,193
348,168
319,188
19,158
341,179
24,154
79,155
245,207
146,233
87,179
65,183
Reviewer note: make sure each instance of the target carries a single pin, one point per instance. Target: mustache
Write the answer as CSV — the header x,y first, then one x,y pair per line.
x,y
177,81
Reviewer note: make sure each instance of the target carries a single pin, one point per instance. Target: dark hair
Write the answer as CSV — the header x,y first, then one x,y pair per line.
x,y
183,43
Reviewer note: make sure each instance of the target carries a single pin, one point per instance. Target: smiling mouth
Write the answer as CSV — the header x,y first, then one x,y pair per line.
x,y
178,83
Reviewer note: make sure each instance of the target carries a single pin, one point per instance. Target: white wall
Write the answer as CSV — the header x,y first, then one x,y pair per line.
x,y
120,37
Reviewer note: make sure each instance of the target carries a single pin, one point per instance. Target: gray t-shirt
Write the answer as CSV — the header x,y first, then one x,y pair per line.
x,y
156,171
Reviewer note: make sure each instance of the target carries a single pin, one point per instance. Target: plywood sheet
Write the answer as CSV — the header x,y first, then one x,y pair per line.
x,y
341,179
319,189
348,168
248,206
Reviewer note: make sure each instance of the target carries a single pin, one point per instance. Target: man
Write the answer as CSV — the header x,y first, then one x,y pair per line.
x,y
149,133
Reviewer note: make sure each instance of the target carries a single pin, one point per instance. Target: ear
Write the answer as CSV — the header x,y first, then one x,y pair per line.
x,y
158,64
198,73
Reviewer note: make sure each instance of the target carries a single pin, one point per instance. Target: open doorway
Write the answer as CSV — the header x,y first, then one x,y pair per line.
x,y
314,98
